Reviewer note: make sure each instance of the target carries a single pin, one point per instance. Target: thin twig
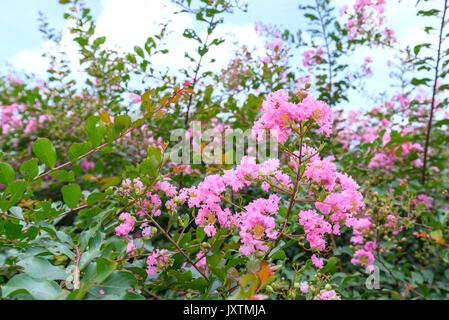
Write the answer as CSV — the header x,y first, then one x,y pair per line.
x,y
434,91
76,272
169,238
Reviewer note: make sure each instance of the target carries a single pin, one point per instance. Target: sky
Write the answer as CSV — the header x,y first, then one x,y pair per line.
x,y
128,23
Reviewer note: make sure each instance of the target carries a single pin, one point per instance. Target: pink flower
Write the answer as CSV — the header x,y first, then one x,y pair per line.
x,y
304,287
315,228
86,165
127,226
130,247
135,97
157,260
318,262
327,295
210,230
278,114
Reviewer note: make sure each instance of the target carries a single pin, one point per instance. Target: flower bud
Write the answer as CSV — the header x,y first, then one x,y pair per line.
x,y
292,294
269,289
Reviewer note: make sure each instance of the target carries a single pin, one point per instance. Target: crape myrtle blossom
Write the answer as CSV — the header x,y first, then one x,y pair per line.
x,y
365,256
422,198
278,113
255,222
150,204
392,138
318,262
304,287
9,117
327,295
86,165
336,197
126,226
365,18
159,259
312,57
315,227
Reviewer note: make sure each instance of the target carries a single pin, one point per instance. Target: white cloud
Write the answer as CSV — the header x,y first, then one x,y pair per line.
x,y
126,24
30,61
130,23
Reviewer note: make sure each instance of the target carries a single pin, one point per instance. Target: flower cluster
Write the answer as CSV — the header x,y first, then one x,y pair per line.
x,y
366,16
312,57
327,295
160,259
9,117
126,226
278,113
254,222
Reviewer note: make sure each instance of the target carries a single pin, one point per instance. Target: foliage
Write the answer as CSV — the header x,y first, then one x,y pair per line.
x,y
355,206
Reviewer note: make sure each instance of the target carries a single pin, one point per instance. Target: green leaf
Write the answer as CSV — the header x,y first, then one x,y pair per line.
x,y
118,283
95,197
40,268
71,194
427,13
122,123
104,269
139,51
200,233
99,41
30,169
279,255
45,151
418,47
13,230
182,277
6,173
95,129
441,123
331,265
15,191
63,175
152,163
150,167
38,289
198,284
110,181
191,34
416,81
78,149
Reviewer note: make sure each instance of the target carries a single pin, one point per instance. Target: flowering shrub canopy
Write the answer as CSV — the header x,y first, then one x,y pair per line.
x,y
95,202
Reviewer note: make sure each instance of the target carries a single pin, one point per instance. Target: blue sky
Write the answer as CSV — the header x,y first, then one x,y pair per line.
x,y
127,23
19,26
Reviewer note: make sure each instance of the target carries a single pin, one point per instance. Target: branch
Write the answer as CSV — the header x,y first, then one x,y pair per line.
x,y
432,106
76,272
169,238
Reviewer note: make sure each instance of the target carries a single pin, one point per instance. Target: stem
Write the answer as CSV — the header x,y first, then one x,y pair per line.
x,y
155,296
107,143
169,238
326,43
432,106
195,78
293,196
76,272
